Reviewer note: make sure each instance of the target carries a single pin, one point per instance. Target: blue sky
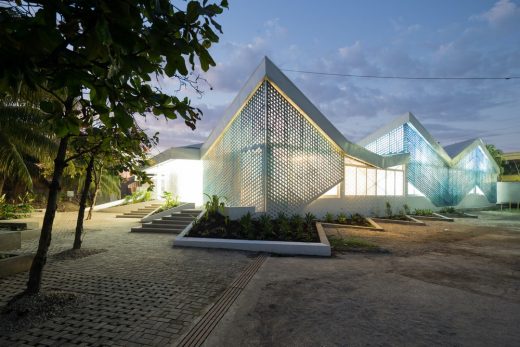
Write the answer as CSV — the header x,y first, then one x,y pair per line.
x,y
398,38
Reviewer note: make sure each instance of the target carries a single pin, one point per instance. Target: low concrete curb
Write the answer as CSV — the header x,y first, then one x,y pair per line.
x,y
436,217
411,221
19,225
375,226
321,248
462,215
13,265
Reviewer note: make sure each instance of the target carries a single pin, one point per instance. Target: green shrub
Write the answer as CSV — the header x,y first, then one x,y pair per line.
x,y
423,212
297,223
449,209
309,219
329,217
246,226
214,205
136,197
388,210
284,226
266,226
170,201
406,209
342,218
358,219
13,211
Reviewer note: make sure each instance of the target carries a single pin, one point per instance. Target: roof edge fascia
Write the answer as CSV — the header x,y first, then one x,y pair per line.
x,y
268,71
252,84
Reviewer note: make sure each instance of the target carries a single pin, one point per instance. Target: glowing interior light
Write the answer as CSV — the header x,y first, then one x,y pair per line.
x,y
181,177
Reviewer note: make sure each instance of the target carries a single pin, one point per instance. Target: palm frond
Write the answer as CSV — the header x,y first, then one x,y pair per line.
x,y
110,184
12,165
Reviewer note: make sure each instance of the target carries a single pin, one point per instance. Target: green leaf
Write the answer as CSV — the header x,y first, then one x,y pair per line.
x,y
205,60
103,32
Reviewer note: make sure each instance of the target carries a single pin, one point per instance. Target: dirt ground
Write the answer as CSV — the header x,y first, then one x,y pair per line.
x,y
454,284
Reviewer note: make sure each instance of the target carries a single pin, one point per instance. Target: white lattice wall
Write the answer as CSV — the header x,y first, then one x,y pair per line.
x,y
272,157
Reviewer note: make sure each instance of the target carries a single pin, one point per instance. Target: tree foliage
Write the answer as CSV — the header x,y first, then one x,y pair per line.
x,y
497,156
24,143
95,61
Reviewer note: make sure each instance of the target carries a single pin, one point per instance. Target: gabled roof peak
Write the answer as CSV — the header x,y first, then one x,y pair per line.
x,y
268,71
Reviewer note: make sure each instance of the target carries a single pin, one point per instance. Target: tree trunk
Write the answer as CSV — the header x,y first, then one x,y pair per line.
x,y
96,191
35,274
83,204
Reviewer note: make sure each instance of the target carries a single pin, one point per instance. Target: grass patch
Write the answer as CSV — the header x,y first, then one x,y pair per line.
x,y
340,244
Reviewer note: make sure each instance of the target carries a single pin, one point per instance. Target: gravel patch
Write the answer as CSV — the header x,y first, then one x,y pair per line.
x,y
32,310
73,254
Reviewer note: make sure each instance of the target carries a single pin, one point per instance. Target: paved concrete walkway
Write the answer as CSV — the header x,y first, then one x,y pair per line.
x,y
140,291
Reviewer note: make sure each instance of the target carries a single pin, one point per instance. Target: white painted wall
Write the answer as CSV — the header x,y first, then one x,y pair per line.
x,y
366,205
508,192
182,177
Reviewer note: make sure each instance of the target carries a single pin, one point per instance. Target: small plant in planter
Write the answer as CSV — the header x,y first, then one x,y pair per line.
x,y
423,212
297,223
170,201
449,209
388,210
342,218
214,205
329,217
406,209
358,219
284,226
266,226
247,226
309,218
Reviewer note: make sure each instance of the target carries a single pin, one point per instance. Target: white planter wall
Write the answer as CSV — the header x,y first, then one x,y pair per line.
x,y
508,192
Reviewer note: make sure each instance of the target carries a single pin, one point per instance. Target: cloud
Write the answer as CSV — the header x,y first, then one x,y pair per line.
x,y
239,59
452,110
501,12
173,133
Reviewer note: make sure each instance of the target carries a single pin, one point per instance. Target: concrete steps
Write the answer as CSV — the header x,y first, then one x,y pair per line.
x,y
173,224
139,213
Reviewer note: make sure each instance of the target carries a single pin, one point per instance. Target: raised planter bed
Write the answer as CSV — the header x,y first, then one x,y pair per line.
x,y
408,220
319,248
18,225
434,217
11,264
460,215
371,225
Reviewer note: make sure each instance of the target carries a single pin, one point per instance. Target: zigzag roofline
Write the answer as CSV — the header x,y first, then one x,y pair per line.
x,y
411,119
266,70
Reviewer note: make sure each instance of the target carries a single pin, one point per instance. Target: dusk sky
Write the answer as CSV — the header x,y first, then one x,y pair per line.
x,y
463,38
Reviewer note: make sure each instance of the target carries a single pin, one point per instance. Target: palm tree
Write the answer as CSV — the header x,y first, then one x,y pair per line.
x,y
24,143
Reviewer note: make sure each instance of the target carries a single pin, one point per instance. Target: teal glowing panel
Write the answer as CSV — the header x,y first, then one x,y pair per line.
x,y
445,184
473,170
426,170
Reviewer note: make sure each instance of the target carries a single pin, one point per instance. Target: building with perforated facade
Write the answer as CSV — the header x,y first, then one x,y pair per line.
x,y
275,151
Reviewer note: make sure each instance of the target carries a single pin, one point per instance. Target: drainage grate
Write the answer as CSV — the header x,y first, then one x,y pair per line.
x,y
201,330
